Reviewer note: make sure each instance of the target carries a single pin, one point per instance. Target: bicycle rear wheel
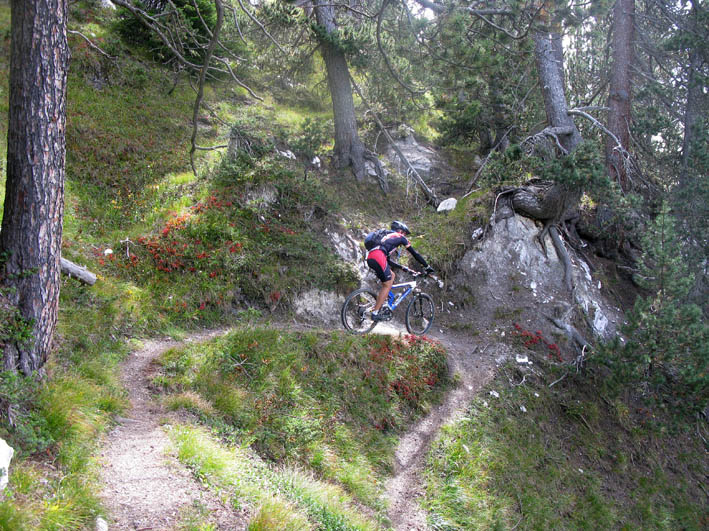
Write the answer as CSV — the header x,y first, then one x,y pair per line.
x,y
419,314
357,311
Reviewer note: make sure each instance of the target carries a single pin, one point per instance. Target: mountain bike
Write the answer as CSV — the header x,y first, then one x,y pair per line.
x,y
357,310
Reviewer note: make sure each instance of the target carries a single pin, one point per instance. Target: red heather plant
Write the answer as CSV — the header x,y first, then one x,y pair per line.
x,y
536,339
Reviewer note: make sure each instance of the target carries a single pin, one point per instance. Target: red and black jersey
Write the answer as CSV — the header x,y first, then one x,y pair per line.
x,y
391,241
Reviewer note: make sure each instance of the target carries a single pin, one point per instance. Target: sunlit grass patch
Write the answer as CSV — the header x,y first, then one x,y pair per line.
x,y
45,497
276,514
189,401
296,500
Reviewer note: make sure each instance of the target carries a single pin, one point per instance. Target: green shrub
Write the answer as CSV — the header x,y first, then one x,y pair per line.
x,y
667,349
186,20
22,422
313,135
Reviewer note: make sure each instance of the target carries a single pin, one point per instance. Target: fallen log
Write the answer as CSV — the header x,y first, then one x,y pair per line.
x,y
77,271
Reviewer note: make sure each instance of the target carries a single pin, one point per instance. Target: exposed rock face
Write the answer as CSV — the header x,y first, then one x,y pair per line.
x,y
508,270
6,453
349,249
319,306
424,160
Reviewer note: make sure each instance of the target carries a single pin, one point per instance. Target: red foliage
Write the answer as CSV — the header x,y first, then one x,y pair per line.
x,y
531,340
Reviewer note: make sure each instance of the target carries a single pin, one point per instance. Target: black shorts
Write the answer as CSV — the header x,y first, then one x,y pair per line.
x,y
377,262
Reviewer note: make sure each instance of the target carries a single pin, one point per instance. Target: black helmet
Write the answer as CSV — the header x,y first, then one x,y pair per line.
x,y
400,226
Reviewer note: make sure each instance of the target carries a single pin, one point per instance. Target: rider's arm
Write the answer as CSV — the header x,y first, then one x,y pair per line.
x,y
394,265
420,259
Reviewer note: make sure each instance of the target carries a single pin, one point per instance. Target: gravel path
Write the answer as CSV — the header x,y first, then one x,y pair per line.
x,y
144,486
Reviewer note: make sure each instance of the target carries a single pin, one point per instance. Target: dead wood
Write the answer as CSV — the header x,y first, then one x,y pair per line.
x,y
77,271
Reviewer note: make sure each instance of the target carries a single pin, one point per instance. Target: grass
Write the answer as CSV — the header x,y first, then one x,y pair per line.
x,y
332,402
569,461
452,238
276,497
127,144
323,411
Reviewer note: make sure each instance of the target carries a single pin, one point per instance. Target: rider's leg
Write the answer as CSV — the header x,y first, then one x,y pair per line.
x,y
378,262
384,292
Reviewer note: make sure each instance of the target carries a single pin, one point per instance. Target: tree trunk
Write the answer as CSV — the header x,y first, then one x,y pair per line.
x,y
30,240
552,83
619,94
349,150
696,85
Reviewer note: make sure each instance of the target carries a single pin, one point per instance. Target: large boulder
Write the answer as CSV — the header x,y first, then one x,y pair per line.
x,y
447,205
423,159
6,453
509,274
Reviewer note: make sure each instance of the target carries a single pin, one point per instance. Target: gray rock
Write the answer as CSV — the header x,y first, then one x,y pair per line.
x,y
101,524
319,306
349,249
447,205
6,453
265,195
511,263
423,159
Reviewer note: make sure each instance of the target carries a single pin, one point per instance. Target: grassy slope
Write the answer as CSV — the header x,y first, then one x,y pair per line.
x,y
128,178
571,456
329,402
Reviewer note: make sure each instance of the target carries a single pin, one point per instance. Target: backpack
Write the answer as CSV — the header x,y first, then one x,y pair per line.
x,y
374,238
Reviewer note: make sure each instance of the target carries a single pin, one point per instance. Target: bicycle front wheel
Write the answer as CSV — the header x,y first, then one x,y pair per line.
x,y
357,311
419,314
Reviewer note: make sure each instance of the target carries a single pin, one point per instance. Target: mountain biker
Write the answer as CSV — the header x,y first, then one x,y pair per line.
x,y
379,260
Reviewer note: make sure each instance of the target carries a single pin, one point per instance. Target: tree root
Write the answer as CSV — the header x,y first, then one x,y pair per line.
x,y
379,169
562,254
571,332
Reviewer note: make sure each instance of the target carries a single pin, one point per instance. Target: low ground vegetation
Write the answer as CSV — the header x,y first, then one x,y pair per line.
x,y
315,415
531,456
334,403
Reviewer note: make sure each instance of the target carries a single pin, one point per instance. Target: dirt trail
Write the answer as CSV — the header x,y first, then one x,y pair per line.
x,y
475,367
144,486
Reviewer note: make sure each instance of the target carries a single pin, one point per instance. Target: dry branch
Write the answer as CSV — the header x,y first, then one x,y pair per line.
x,y
77,271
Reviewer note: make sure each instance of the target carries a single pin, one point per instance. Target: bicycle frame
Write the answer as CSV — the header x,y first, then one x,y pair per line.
x,y
394,300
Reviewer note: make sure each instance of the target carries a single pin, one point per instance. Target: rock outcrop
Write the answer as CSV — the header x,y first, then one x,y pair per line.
x,y
508,274
6,453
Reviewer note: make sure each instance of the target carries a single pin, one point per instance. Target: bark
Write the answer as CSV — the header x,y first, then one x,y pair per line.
x,y
693,110
202,76
30,240
349,149
552,83
546,201
696,85
619,94
558,198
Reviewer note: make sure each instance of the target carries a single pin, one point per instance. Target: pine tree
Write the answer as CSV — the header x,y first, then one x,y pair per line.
x,y
667,348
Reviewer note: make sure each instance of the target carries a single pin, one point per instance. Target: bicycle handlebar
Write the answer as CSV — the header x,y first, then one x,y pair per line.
x,y
416,274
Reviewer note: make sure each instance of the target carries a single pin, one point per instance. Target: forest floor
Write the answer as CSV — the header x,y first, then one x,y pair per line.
x,y
145,487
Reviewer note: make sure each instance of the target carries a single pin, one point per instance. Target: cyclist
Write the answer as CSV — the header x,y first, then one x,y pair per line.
x,y
379,260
